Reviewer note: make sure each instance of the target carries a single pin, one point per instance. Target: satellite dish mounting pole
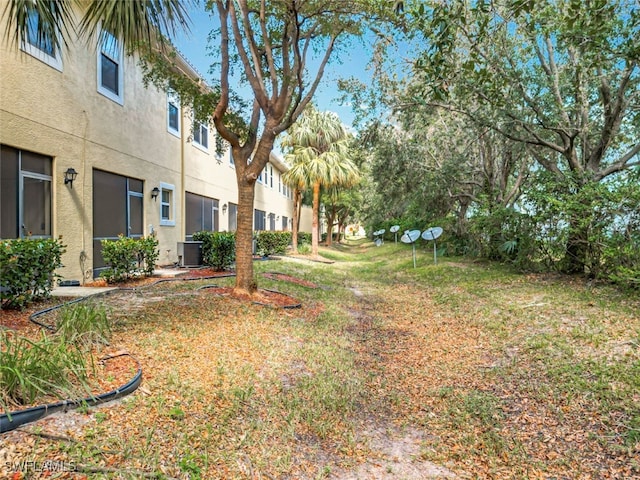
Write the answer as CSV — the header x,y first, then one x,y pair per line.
x,y
435,257
432,234
414,254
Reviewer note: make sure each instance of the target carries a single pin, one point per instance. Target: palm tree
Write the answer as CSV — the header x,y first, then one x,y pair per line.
x,y
138,24
319,157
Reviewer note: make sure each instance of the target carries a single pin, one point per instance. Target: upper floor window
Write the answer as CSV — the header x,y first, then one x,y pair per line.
x,y
173,114
110,71
41,45
201,135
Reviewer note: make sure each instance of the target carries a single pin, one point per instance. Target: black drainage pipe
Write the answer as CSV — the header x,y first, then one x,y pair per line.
x,y
13,420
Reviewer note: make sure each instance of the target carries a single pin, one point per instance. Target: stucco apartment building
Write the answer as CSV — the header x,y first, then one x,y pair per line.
x,y
88,153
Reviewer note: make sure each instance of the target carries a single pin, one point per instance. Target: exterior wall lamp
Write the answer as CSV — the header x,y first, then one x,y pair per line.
x,y
224,209
154,193
69,176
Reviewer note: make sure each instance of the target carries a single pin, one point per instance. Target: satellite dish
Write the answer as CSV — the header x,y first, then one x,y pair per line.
x,y
432,233
410,236
378,241
394,230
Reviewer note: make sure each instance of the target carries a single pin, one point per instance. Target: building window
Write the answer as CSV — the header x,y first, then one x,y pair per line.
x,y
167,205
173,114
41,45
201,135
285,223
272,221
259,219
110,74
201,214
233,217
25,194
270,168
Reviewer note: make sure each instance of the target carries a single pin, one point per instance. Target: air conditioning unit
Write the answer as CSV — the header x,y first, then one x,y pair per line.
x,y
190,254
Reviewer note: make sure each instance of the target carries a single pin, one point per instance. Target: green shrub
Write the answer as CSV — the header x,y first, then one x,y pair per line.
x,y
128,257
27,270
304,238
218,248
272,243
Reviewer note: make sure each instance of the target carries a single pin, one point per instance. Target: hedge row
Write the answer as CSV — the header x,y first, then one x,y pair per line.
x,y
27,270
219,248
128,257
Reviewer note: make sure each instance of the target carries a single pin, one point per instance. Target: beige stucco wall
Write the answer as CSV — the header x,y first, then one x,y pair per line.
x,y
62,115
306,219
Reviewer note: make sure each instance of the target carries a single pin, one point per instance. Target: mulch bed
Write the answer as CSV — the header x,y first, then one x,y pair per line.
x,y
288,278
263,297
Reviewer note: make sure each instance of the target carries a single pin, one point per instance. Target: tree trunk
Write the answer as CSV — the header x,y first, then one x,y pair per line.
x,y
299,208
246,175
245,282
314,224
575,257
330,219
295,222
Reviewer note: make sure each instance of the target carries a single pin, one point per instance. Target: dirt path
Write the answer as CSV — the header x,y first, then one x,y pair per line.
x,y
395,453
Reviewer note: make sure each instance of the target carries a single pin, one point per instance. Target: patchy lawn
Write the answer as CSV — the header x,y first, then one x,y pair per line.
x,y
455,370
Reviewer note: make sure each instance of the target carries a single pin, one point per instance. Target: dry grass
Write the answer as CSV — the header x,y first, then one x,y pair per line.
x,y
455,370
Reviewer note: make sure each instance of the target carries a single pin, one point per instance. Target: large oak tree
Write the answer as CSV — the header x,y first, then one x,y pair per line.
x,y
560,77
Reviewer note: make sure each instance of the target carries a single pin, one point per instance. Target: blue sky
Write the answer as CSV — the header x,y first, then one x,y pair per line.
x,y
354,62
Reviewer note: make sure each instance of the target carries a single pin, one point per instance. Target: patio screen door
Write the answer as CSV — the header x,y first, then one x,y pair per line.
x,y
117,210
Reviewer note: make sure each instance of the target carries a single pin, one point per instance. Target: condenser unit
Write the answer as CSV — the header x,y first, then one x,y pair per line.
x,y
190,254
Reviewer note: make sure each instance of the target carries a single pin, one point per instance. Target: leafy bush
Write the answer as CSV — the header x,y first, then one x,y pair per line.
x,y
27,269
128,257
506,235
304,238
218,248
272,243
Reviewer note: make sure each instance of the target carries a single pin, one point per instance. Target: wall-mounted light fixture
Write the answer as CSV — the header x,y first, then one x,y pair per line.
x,y
69,176
224,208
154,193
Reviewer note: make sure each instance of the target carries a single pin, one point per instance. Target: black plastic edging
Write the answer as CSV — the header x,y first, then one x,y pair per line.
x,y
13,420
